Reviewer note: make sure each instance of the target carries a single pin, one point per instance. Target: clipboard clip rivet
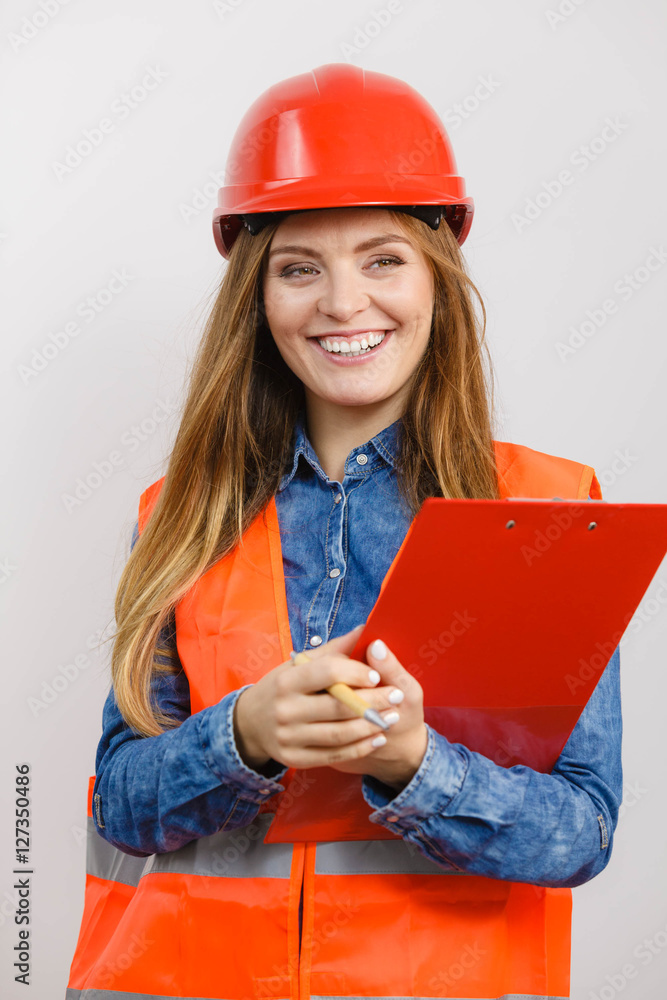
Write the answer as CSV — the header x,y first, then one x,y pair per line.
x,y
510,524
592,525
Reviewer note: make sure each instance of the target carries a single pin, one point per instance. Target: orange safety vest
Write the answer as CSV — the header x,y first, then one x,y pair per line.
x,y
218,918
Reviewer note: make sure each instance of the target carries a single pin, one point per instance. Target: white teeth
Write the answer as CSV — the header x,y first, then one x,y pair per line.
x,y
360,346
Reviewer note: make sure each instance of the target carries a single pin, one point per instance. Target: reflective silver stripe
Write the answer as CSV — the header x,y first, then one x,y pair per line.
x,y
370,857
106,861
231,854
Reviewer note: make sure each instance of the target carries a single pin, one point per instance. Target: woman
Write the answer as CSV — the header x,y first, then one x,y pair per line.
x,y
339,382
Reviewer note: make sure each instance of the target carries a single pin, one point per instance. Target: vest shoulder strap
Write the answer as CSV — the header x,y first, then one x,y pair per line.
x,y
147,501
524,472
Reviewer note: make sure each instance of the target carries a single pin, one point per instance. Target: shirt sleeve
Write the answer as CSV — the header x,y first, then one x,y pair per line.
x,y
157,793
465,812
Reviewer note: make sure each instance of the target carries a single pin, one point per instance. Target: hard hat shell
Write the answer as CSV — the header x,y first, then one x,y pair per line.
x,y
339,136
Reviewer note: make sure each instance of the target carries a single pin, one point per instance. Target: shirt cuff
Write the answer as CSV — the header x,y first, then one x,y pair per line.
x,y
216,730
432,787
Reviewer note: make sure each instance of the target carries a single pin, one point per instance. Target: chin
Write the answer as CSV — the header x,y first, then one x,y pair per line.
x,y
353,399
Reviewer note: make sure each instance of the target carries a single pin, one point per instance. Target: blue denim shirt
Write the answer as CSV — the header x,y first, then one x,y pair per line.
x,y
460,809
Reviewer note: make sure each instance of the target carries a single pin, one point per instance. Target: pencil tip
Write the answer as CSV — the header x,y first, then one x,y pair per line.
x,y
376,718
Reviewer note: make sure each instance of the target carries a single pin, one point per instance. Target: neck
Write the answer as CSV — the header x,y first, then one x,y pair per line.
x,y
335,430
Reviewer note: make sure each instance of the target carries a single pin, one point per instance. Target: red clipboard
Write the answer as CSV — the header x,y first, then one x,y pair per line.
x,y
506,611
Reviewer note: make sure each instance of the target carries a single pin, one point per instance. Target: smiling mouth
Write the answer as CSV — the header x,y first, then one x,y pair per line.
x,y
352,346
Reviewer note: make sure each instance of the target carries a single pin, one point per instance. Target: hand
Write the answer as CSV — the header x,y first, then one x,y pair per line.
x,y
396,762
288,716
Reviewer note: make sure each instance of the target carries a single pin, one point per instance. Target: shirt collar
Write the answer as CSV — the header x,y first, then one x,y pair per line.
x,y
381,449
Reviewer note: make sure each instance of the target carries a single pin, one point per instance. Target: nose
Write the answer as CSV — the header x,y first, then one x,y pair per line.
x,y
342,294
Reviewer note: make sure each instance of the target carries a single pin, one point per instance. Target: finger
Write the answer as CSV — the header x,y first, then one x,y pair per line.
x,y
318,756
328,734
318,674
325,708
388,666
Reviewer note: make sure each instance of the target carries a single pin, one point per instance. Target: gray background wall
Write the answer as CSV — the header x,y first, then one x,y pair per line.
x,y
537,82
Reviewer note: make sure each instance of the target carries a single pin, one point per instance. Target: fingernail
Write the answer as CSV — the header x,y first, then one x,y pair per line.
x,y
379,741
378,649
391,717
373,676
396,696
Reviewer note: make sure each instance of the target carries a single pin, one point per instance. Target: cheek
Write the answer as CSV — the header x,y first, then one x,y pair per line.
x,y
284,311
410,301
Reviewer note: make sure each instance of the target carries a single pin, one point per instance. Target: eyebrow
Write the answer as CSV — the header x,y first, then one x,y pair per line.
x,y
376,241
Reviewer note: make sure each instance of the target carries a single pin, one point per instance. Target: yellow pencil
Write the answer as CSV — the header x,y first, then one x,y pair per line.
x,y
344,693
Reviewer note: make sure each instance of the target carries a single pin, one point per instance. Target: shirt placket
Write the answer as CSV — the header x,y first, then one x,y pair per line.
x,y
318,622
360,464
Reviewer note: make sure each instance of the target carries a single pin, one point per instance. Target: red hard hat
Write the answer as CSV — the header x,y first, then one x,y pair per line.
x,y
335,137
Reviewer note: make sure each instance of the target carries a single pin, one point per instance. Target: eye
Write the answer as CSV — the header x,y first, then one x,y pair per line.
x,y
391,260
292,270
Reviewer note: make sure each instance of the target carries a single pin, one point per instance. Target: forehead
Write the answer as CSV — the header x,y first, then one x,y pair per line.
x,y
342,225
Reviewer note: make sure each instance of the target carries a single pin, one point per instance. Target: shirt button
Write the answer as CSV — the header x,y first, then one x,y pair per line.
x,y
316,640
264,791
334,572
362,459
392,819
338,498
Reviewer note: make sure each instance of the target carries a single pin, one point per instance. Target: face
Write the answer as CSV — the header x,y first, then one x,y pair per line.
x,y
349,302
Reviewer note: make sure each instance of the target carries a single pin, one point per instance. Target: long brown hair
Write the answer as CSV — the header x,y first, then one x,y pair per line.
x,y
235,442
